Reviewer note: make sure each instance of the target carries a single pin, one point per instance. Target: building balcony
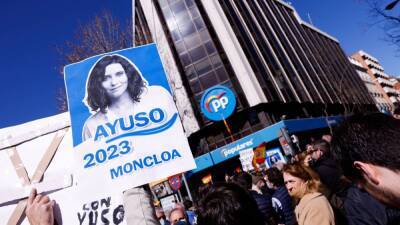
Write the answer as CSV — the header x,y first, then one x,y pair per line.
x,y
394,99
379,73
372,64
365,77
368,56
394,81
386,82
355,63
391,91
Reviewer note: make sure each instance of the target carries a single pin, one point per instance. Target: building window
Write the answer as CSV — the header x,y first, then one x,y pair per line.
x,y
200,58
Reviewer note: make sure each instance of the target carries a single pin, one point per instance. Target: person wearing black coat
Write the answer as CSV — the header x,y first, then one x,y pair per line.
x,y
363,209
281,201
326,167
331,177
264,202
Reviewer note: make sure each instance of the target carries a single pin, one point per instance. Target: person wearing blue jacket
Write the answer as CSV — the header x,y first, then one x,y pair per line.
x,y
281,200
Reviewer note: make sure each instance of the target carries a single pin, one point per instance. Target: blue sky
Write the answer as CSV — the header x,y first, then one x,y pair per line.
x,y
30,30
350,21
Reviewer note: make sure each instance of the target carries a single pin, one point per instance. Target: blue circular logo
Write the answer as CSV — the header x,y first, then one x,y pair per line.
x,y
218,103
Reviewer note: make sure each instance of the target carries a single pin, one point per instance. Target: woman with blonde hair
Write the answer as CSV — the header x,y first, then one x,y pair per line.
x,y
304,158
304,186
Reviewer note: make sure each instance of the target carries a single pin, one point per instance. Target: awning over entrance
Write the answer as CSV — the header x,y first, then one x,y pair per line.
x,y
267,134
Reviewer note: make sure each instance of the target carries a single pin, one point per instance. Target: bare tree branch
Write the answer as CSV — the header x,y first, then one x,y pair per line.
x,y
388,19
104,33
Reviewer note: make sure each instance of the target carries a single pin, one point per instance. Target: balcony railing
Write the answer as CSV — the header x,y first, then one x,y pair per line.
x,y
379,73
385,81
390,90
366,55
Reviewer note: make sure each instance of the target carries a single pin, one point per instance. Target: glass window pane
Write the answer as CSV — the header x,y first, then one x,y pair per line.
x,y
194,12
204,35
185,59
182,18
187,28
178,7
175,35
180,47
169,18
203,66
199,23
221,73
208,80
189,3
195,86
192,41
197,53
172,24
210,47
216,61
190,72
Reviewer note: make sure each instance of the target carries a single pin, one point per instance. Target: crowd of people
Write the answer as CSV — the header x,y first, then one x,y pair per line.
x,y
350,177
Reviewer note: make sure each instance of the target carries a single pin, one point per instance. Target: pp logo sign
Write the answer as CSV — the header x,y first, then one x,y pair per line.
x,y
218,103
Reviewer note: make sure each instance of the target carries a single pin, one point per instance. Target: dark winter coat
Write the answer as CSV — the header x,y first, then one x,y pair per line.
x,y
362,209
283,206
264,204
329,174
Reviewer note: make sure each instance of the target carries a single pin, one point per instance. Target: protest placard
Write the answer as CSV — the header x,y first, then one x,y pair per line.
x,y
274,156
39,154
246,159
126,128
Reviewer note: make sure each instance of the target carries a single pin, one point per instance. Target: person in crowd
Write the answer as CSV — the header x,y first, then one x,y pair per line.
x,y
281,201
228,204
362,209
304,158
331,177
190,215
303,184
188,205
161,216
367,148
177,215
179,205
326,167
327,138
258,183
190,212
350,204
264,202
39,209
309,148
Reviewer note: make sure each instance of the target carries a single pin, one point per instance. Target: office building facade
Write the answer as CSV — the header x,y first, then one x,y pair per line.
x,y
376,92
384,82
277,65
